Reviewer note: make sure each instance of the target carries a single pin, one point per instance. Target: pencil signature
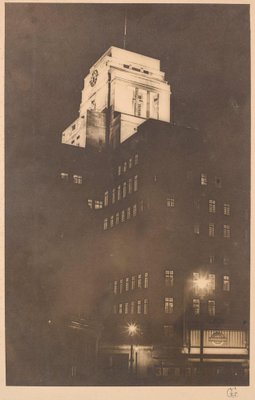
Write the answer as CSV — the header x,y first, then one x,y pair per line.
x,y
232,392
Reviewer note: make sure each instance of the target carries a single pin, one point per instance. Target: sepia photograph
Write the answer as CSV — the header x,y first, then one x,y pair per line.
x,y
127,195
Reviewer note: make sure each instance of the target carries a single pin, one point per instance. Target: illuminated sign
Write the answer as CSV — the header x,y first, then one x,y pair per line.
x,y
217,338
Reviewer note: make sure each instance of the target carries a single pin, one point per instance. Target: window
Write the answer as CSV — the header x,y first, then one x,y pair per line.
x,y
212,206
111,221
119,193
128,213
117,218
130,185
226,283
120,308
115,287
125,167
203,179
132,307
211,307
73,127
106,199
119,170
105,224
145,306
136,159
170,202
133,282
127,284
90,203
77,179
130,163
136,183
197,204
98,204
196,306
139,281
141,205
169,305
124,192
211,284
226,209
169,278
113,196
217,182
121,285
146,280
139,306
226,231
64,176
168,330
196,229
126,308
211,230
225,260
196,276
123,216
211,259
134,210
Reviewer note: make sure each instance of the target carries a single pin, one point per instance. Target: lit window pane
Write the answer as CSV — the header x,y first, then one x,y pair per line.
x,y
169,305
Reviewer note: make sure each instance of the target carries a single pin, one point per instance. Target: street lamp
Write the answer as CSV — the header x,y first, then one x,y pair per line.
x,y
132,329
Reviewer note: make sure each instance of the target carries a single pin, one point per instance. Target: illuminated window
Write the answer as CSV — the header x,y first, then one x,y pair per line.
x,y
113,196
136,183
117,218
226,209
139,306
90,203
168,330
123,216
125,166
211,283
127,284
132,307
105,223
196,229
136,159
121,285
196,277
124,192
64,176
139,281
169,305
211,230
212,206
98,204
146,280
115,287
111,221
130,163
170,202
203,179
134,210
126,308
130,185
169,278
77,179
133,282
119,170
119,192
145,306
120,308
211,259
128,213
226,231
106,199
225,260
211,307
226,283
196,306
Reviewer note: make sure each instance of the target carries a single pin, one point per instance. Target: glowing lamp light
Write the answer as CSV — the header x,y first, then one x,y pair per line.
x,y
132,329
202,283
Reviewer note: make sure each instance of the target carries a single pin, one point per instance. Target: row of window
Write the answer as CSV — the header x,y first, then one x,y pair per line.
x,y
204,180
122,190
134,307
127,165
95,204
207,283
170,202
211,230
211,306
130,283
122,216
76,178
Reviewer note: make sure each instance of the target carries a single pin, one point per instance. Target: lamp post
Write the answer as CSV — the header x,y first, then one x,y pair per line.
x,y
132,330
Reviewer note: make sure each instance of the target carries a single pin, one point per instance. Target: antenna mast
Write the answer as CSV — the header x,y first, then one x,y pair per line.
x,y
125,30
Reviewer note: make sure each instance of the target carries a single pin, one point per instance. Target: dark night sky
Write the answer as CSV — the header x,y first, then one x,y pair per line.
x,y
204,50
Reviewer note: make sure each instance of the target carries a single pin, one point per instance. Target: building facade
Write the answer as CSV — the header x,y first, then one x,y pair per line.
x,y
175,265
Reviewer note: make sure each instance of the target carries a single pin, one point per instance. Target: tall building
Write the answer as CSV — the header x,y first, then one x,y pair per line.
x,y
175,307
